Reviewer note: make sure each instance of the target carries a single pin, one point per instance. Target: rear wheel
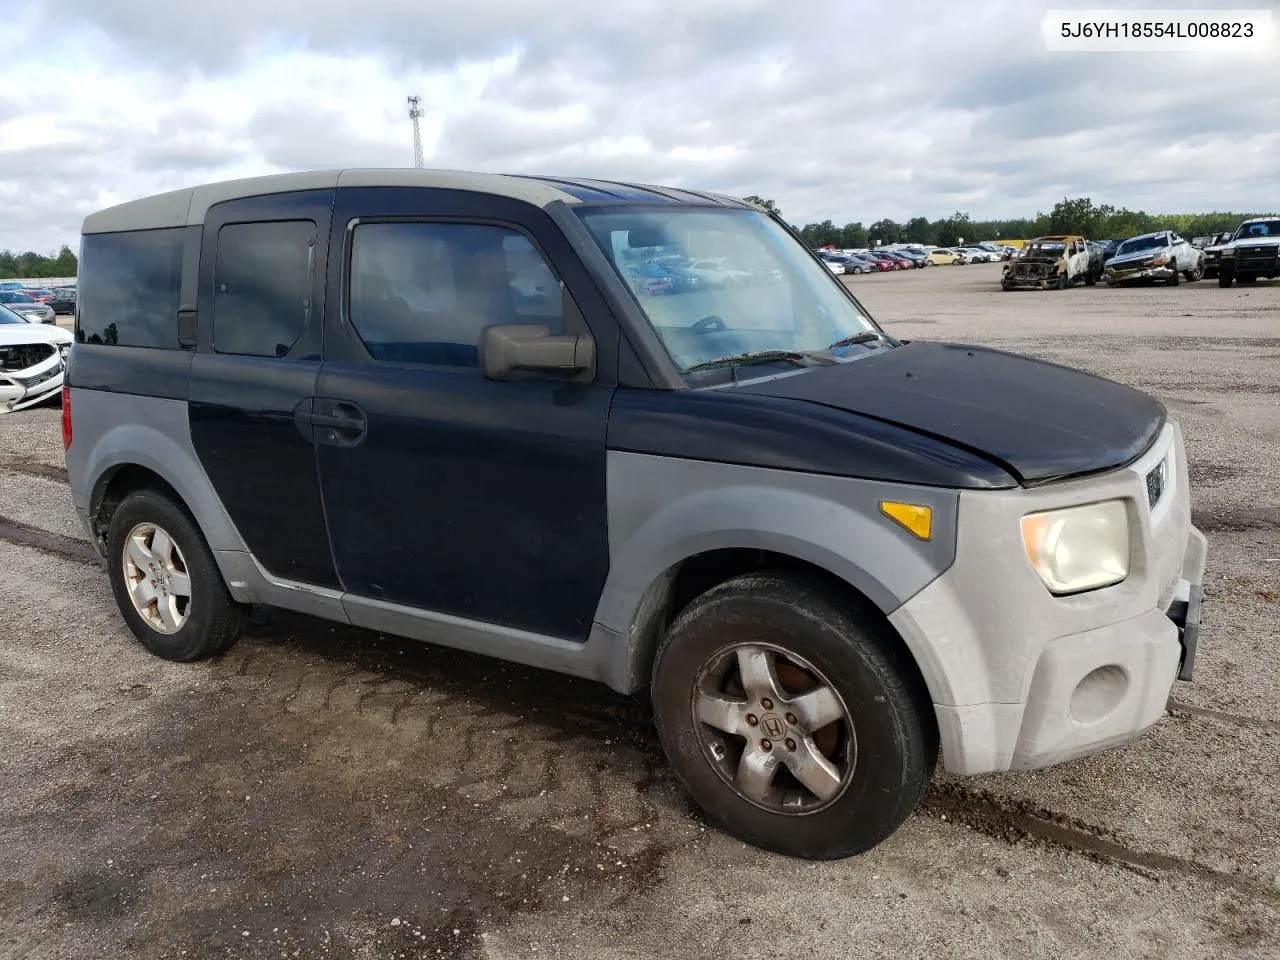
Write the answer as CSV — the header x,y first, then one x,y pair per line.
x,y
166,583
796,722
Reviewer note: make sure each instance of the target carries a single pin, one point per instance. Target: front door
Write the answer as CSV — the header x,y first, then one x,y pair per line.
x,y
445,491
260,305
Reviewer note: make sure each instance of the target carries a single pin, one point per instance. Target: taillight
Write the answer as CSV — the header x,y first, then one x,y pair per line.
x,y
66,418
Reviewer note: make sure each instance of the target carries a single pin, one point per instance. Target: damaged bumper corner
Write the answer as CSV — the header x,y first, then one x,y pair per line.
x,y
1114,277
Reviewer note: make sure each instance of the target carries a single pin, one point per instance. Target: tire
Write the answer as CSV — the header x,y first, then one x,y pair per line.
x,y
882,705
1090,279
1061,282
1196,273
210,621
1175,277
1224,279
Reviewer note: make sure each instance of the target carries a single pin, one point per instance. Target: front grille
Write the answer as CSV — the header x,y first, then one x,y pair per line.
x,y
39,378
24,356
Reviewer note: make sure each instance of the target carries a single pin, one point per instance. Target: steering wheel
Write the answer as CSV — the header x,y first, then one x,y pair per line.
x,y
709,324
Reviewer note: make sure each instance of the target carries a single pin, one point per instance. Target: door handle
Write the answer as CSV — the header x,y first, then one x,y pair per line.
x,y
342,423
337,422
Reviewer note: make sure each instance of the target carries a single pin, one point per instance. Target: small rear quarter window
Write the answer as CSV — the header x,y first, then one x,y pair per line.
x,y
129,287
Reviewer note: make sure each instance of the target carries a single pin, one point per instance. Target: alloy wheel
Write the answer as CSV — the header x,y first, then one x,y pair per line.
x,y
774,728
155,574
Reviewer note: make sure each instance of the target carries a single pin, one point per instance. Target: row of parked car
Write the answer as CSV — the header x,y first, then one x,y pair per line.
x,y
1165,256
911,257
37,304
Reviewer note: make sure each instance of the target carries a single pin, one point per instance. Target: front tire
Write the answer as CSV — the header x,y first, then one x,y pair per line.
x,y
795,720
1174,277
166,583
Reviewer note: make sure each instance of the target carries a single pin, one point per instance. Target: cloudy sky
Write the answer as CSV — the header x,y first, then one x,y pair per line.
x,y
836,109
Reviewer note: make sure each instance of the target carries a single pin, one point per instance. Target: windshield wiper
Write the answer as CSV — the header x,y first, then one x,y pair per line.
x,y
762,356
867,336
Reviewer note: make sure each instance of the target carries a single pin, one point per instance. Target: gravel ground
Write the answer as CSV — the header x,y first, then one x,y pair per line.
x,y
322,791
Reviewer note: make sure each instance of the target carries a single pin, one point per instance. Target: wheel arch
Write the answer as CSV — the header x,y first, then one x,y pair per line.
x,y
697,542
134,456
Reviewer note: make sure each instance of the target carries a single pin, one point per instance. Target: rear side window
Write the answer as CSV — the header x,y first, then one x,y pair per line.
x,y
262,286
129,288
422,292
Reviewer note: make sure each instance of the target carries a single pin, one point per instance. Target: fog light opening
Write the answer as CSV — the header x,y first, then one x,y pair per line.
x,y
1098,694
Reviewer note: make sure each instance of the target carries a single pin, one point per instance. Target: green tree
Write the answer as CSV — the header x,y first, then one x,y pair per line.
x,y
853,235
884,231
32,265
919,230
761,202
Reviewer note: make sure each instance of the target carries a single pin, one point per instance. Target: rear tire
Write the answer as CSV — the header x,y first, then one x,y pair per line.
x,y
166,583
867,716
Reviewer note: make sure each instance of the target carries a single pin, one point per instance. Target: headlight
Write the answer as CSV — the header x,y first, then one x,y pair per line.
x,y
1161,260
65,350
1079,548
1228,253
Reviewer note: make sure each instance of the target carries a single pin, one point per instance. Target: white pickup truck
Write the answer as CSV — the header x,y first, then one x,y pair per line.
x,y
1164,256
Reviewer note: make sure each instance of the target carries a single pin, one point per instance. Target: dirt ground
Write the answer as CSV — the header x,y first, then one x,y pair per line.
x,y
322,791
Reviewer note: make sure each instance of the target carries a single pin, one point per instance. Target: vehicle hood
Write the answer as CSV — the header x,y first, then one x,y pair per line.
x,y
26,307
1132,259
1254,242
1039,421
14,333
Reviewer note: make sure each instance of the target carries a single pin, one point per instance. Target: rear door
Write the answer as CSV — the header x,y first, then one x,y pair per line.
x,y
260,313
445,491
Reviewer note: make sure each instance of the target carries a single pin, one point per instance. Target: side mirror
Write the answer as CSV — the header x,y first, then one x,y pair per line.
x,y
519,351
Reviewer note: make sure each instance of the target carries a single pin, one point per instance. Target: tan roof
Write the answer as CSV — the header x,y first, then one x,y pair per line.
x,y
188,206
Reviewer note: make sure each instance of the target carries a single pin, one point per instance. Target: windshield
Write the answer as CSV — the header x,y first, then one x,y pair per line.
x,y
9,296
757,288
1052,248
1263,228
8,316
1142,243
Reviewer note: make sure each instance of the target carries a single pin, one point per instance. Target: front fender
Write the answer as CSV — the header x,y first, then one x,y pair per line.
x,y
664,510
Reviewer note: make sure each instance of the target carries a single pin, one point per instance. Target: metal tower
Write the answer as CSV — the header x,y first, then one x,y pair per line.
x,y
415,114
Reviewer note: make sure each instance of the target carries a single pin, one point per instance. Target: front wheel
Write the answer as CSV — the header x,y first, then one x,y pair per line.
x,y
1224,279
1173,277
166,583
795,721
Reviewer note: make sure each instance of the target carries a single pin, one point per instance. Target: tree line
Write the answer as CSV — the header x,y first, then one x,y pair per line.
x,y
1076,215
31,265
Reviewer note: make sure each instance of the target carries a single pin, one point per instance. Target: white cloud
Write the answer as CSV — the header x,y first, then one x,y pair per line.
x,y
836,110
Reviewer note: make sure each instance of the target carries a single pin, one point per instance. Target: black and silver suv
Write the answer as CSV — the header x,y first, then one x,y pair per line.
x,y
479,411
1253,252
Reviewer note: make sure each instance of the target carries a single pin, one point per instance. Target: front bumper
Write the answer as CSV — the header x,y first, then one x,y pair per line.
x,y
1123,275
19,392
1021,679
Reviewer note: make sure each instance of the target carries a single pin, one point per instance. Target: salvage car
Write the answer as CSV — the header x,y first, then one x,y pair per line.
x,y
19,303
32,357
1213,252
1254,251
1053,263
64,301
824,554
1163,256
